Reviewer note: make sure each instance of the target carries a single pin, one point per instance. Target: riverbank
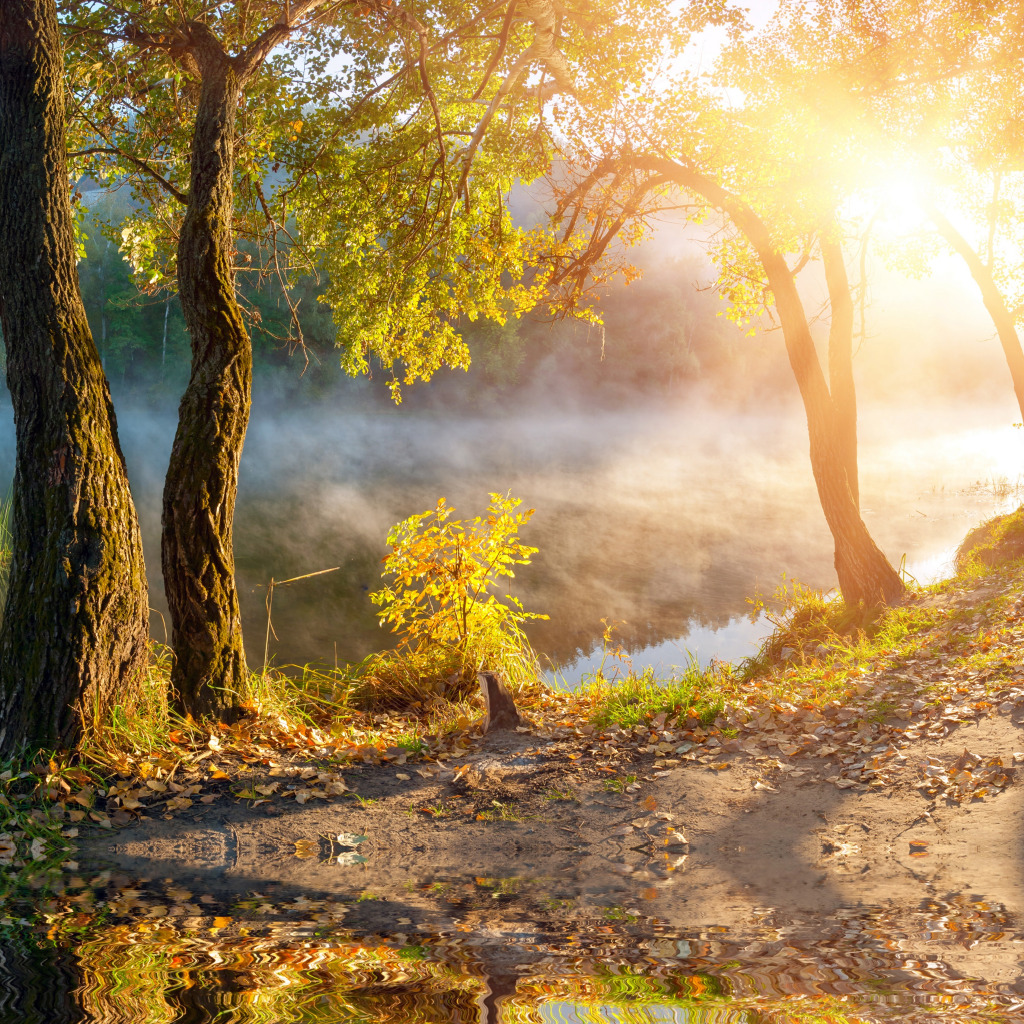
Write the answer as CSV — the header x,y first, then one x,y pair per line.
x,y
926,745
854,801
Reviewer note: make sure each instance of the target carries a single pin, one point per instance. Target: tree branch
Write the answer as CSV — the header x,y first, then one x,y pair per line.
x,y
138,162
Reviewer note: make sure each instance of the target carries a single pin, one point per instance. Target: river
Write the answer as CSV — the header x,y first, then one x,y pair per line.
x,y
662,521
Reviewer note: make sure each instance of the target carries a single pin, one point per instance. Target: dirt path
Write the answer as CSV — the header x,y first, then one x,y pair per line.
x,y
698,844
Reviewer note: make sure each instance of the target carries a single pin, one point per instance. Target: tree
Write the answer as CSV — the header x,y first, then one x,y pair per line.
x,y
363,167
771,170
933,91
986,275
864,573
74,637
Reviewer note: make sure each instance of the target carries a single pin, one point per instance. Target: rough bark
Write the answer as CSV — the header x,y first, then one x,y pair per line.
x,y
209,671
840,359
864,573
74,637
1005,325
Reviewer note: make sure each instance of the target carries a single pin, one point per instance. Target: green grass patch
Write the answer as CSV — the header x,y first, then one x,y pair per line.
x,y
995,542
635,700
556,795
820,646
620,784
500,811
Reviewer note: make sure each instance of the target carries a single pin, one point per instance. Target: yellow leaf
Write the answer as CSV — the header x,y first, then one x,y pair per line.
x,y
306,848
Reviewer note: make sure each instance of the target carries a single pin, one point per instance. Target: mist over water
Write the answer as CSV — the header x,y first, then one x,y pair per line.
x,y
663,520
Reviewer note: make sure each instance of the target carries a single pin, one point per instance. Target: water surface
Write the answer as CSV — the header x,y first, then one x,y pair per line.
x,y
664,522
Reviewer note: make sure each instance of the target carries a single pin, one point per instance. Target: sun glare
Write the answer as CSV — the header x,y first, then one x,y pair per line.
x,y
896,205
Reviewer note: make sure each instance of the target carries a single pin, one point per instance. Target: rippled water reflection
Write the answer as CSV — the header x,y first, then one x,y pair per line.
x,y
115,948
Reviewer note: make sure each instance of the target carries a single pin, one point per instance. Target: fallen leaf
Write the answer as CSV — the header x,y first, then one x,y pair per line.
x,y
350,857
349,839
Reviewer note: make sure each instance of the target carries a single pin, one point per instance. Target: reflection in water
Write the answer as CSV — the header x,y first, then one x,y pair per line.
x,y
664,522
115,948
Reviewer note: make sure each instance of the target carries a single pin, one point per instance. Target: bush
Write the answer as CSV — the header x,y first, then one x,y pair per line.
x,y
441,603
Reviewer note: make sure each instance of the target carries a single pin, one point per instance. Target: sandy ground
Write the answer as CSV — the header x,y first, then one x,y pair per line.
x,y
699,849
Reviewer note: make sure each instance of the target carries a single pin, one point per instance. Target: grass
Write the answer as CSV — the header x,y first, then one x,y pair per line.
x,y
24,794
410,741
420,676
619,785
502,811
634,699
995,542
561,796
441,809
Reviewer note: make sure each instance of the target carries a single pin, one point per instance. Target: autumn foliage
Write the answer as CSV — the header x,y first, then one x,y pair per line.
x,y
443,601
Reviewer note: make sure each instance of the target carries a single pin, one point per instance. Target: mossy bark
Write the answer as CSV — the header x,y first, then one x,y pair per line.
x,y
208,674
74,637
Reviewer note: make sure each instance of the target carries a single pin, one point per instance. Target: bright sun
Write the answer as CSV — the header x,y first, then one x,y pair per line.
x,y
899,208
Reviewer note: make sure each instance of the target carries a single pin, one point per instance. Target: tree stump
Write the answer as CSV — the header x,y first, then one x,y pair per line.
x,y
501,708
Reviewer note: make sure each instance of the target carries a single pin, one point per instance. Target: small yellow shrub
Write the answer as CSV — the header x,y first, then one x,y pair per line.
x,y
442,601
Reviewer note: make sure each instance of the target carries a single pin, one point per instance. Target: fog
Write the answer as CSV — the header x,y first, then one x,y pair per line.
x,y
666,459
664,520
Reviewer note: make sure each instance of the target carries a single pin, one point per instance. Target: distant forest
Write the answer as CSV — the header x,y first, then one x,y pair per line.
x,y
662,336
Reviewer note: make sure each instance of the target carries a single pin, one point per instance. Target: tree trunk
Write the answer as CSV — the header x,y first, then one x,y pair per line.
x,y
864,573
75,636
840,358
209,672
501,706
1006,328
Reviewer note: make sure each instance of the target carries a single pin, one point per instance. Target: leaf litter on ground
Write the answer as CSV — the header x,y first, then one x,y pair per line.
x,y
963,667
